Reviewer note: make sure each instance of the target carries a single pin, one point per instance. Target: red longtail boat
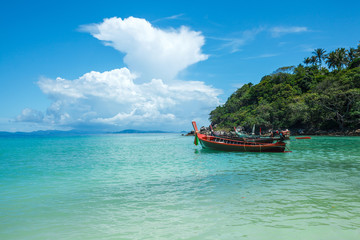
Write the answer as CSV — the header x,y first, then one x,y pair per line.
x,y
246,138
225,144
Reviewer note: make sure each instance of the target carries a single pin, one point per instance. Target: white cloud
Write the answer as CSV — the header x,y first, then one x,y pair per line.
x,y
117,99
279,31
30,115
235,43
150,51
113,98
247,36
265,55
306,48
173,17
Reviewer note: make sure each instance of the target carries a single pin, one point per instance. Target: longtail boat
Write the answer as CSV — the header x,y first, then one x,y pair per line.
x,y
225,144
282,135
246,138
261,139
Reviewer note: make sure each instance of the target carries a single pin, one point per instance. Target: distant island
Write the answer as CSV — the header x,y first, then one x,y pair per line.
x,y
319,96
73,133
41,133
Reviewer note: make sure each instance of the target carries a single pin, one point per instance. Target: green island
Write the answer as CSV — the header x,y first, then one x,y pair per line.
x,y
319,96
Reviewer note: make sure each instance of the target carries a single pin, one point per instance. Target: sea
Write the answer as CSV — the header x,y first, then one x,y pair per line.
x,y
162,186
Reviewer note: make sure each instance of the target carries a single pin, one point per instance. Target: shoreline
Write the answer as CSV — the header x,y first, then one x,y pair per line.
x,y
353,133
348,133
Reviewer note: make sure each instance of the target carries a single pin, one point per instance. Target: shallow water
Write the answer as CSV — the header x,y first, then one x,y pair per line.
x,y
161,186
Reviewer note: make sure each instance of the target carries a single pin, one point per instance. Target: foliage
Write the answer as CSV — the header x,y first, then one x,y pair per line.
x,y
320,55
307,97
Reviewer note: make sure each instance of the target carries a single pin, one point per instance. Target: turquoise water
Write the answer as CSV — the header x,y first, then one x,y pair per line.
x,y
161,186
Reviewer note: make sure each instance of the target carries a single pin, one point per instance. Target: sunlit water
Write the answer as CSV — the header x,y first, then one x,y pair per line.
x,y
161,186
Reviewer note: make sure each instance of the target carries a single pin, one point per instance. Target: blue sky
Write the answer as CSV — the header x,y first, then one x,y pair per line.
x,y
113,65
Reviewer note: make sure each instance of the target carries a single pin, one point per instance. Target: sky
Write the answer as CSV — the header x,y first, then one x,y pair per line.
x,y
150,65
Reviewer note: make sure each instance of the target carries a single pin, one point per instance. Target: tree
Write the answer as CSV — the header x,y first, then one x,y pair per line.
x,y
307,61
331,60
338,105
320,55
352,54
337,59
313,60
341,58
300,97
287,69
310,60
355,63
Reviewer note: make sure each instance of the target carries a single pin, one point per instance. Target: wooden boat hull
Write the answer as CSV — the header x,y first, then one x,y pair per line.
x,y
223,144
250,139
260,140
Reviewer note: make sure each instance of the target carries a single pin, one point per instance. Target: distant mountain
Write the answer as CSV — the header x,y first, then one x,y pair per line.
x,y
44,133
70,133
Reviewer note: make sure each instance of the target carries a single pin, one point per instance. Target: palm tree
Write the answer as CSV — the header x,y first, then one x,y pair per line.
x,y
337,59
351,53
341,57
320,55
331,60
307,61
313,60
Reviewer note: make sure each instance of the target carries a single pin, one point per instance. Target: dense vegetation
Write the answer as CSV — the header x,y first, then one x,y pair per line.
x,y
322,94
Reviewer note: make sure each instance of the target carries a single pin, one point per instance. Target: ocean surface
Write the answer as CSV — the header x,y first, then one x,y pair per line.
x,y
162,186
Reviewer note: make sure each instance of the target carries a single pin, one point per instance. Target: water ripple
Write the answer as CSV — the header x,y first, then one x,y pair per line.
x,y
160,186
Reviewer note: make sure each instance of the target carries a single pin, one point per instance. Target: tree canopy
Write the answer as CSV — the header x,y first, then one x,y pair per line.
x,y
302,97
